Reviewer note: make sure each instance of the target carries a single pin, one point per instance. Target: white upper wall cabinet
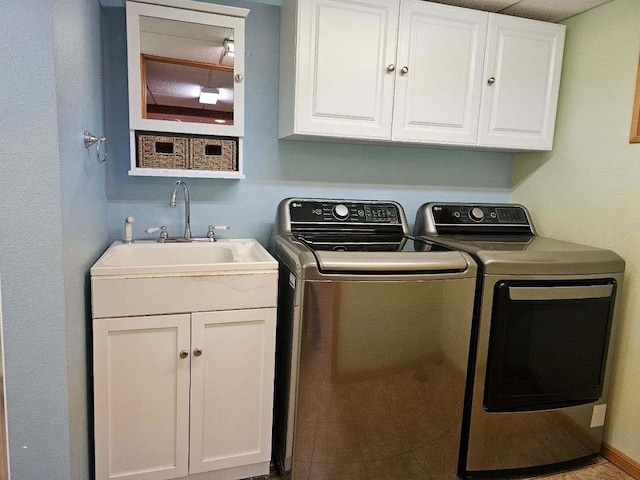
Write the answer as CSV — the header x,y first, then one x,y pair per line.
x,y
522,81
417,72
343,83
440,62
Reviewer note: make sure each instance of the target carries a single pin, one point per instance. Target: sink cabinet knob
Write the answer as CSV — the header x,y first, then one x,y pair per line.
x,y
184,354
197,352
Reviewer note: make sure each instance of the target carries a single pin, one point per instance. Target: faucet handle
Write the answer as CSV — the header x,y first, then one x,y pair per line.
x,y
211,235
163,232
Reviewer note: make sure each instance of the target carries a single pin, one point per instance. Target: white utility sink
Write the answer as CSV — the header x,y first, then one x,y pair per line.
x,y
144,258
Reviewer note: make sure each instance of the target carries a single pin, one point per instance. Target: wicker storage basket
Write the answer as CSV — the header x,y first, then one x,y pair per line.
x,y
156,151
213,154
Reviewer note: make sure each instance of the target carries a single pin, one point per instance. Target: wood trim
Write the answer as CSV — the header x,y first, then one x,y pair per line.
x,y
619,459
143,85
185,111
635,121
187,63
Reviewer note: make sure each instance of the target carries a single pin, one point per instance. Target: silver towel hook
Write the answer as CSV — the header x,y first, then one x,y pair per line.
x,y
91,139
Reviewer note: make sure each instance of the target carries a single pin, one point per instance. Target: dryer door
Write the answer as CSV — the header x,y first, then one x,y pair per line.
x,y
548,344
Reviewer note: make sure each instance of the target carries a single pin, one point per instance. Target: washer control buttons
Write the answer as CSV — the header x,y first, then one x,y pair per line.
x,y
476,214
341,212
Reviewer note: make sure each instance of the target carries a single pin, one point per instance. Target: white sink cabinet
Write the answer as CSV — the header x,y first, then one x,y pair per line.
x,y
183,389
417,72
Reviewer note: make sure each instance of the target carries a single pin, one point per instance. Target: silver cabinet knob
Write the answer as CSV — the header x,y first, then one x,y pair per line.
x,y
491,80
184,354
404,70
197,352
239,77
391,68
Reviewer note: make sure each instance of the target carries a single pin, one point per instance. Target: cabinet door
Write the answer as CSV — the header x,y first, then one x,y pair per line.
x,y
141,397
231,388
344,87
521,83
440,64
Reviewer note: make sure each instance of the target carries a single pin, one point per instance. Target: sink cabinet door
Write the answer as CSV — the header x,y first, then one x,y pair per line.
x,y
231,388
141,397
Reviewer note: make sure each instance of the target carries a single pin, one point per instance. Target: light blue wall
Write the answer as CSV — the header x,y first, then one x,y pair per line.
x,y
79,91
54,216
31,260
278,169
53,224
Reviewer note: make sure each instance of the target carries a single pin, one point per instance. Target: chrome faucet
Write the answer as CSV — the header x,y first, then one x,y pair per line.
x,y
187,207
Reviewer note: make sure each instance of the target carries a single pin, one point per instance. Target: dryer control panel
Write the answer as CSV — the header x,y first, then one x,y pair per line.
x,y
470,218
474,214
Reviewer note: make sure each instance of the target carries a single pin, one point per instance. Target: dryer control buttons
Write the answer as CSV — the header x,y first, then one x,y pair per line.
x,y
476,214
341,212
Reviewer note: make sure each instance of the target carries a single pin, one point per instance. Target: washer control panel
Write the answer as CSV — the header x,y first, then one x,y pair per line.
x,y
312,211
463,214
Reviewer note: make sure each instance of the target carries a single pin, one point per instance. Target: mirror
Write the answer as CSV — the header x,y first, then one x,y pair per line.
x,y
201,60
186,69
173,91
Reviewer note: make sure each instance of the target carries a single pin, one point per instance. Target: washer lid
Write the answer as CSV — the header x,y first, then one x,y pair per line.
x,y
391,262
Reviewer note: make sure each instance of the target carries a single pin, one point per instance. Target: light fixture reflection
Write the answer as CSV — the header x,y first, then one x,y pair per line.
x,y
209,95
229,47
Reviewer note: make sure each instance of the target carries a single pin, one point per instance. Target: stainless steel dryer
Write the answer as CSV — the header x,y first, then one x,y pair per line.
x,y
372,343
537,388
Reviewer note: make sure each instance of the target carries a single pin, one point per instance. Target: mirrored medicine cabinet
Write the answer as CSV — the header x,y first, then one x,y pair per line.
x,y
186,88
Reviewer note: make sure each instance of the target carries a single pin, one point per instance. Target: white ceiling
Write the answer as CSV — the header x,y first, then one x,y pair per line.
x,y
547,10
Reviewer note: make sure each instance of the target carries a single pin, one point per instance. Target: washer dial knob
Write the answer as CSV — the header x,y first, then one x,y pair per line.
x,y
476,214
341,212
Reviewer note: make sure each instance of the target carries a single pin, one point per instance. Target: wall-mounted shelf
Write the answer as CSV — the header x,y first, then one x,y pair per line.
x,y
140,169
166,172
186,85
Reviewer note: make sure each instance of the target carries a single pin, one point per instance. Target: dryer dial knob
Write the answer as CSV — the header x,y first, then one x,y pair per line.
x,y
476,214
341,212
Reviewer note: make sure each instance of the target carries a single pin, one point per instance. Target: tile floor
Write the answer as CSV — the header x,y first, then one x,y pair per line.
x,y
599,470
